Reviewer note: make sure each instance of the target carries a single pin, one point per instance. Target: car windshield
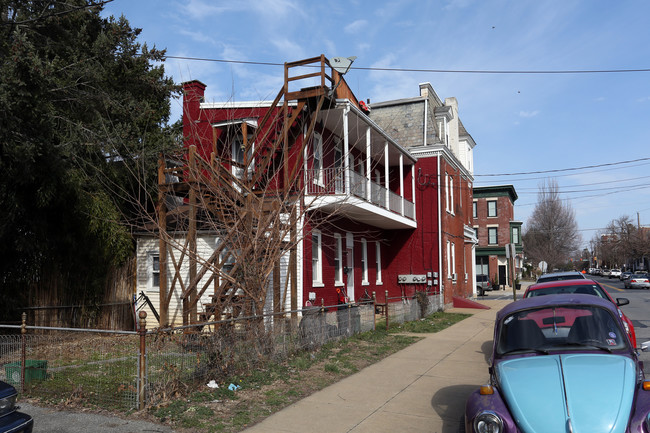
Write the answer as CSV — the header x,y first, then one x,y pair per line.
x,y
585,289
640,276
572,327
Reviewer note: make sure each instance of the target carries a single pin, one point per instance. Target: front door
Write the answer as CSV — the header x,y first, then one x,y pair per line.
x,y
503,280
349,249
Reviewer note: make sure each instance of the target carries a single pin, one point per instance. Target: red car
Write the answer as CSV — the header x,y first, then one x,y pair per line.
x,y
589,287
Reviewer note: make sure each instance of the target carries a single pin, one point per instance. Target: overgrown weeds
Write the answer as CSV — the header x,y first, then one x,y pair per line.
x,y
276,385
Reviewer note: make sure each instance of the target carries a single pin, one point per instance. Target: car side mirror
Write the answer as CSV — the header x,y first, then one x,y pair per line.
x,y
622,301
645,346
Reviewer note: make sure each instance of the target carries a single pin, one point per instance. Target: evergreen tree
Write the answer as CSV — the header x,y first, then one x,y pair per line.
x,y
83,119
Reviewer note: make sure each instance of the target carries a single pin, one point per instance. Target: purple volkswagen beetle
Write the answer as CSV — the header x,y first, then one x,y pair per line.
x,y
561,364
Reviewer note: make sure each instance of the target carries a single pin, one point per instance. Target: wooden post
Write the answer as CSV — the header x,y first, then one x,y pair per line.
x,y
162,244
386,298
374,309
189,302
142,369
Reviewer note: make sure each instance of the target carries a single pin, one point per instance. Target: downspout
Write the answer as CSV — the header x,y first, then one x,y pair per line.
x,y
440,279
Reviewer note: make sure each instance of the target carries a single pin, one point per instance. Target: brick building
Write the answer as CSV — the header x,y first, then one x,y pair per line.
x,y
380,198
495,226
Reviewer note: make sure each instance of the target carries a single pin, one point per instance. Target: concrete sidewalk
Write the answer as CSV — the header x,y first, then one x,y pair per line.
x,y
422,388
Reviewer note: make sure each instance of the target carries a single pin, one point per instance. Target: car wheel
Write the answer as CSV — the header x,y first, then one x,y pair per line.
x,y
480,291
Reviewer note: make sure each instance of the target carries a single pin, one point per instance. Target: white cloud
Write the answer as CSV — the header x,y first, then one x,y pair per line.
x,y
528,114
356,27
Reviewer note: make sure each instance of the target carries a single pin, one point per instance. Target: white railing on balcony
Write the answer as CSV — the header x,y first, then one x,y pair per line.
x,y
332,181
394,202
378,194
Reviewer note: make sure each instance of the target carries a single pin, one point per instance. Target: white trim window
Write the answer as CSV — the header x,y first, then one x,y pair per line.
x,y
447,192
154,270
453,260
317,156
451,193
378,262
338,260
317,258
493,235
492,208
475,209
364,262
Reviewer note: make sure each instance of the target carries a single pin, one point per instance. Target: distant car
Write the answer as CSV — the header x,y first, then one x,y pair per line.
x,y
582,286
615,273
637,281
557,276
597,271
625,275
12,421
483,284
604,272
561,364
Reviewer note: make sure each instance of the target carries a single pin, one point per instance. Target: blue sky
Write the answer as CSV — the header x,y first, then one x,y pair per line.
x,y
526,122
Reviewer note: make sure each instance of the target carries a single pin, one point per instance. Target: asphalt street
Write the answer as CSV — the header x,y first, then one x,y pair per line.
x,y
48,420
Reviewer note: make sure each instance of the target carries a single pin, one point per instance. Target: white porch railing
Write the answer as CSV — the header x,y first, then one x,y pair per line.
x,y
332,181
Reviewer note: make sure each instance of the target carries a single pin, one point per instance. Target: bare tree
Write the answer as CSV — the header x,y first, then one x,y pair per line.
x,y
552,231
621,243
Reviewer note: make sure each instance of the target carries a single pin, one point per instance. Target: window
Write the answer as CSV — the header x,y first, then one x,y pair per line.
x,y
318,158
154,270
451,192
446,192
515,235
364,261
453,260
316,258
378,261
338,259
492,208
493,235
241,158
475,209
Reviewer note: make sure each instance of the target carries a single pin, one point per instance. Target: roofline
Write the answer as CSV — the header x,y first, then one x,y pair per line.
x,y
493,189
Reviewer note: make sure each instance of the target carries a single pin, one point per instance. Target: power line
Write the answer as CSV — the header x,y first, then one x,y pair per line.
x,y
559,170
441,71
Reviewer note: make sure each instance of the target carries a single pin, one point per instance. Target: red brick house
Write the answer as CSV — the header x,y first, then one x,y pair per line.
x,y
493,212
377,211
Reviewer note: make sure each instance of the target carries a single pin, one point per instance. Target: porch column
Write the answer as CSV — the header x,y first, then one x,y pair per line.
x,y
401,182
413,186
368,185
346,151
386,174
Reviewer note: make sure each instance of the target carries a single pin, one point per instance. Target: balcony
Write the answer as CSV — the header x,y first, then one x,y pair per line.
x,y
364,200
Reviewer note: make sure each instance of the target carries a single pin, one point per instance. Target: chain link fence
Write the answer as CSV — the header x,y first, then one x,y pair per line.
x,y
126,370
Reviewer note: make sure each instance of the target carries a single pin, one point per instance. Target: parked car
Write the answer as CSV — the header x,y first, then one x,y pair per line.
x,y
625,275
604,272
10,419
483,284
597,271
615,273
561,364
587,287
556,276
637,281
